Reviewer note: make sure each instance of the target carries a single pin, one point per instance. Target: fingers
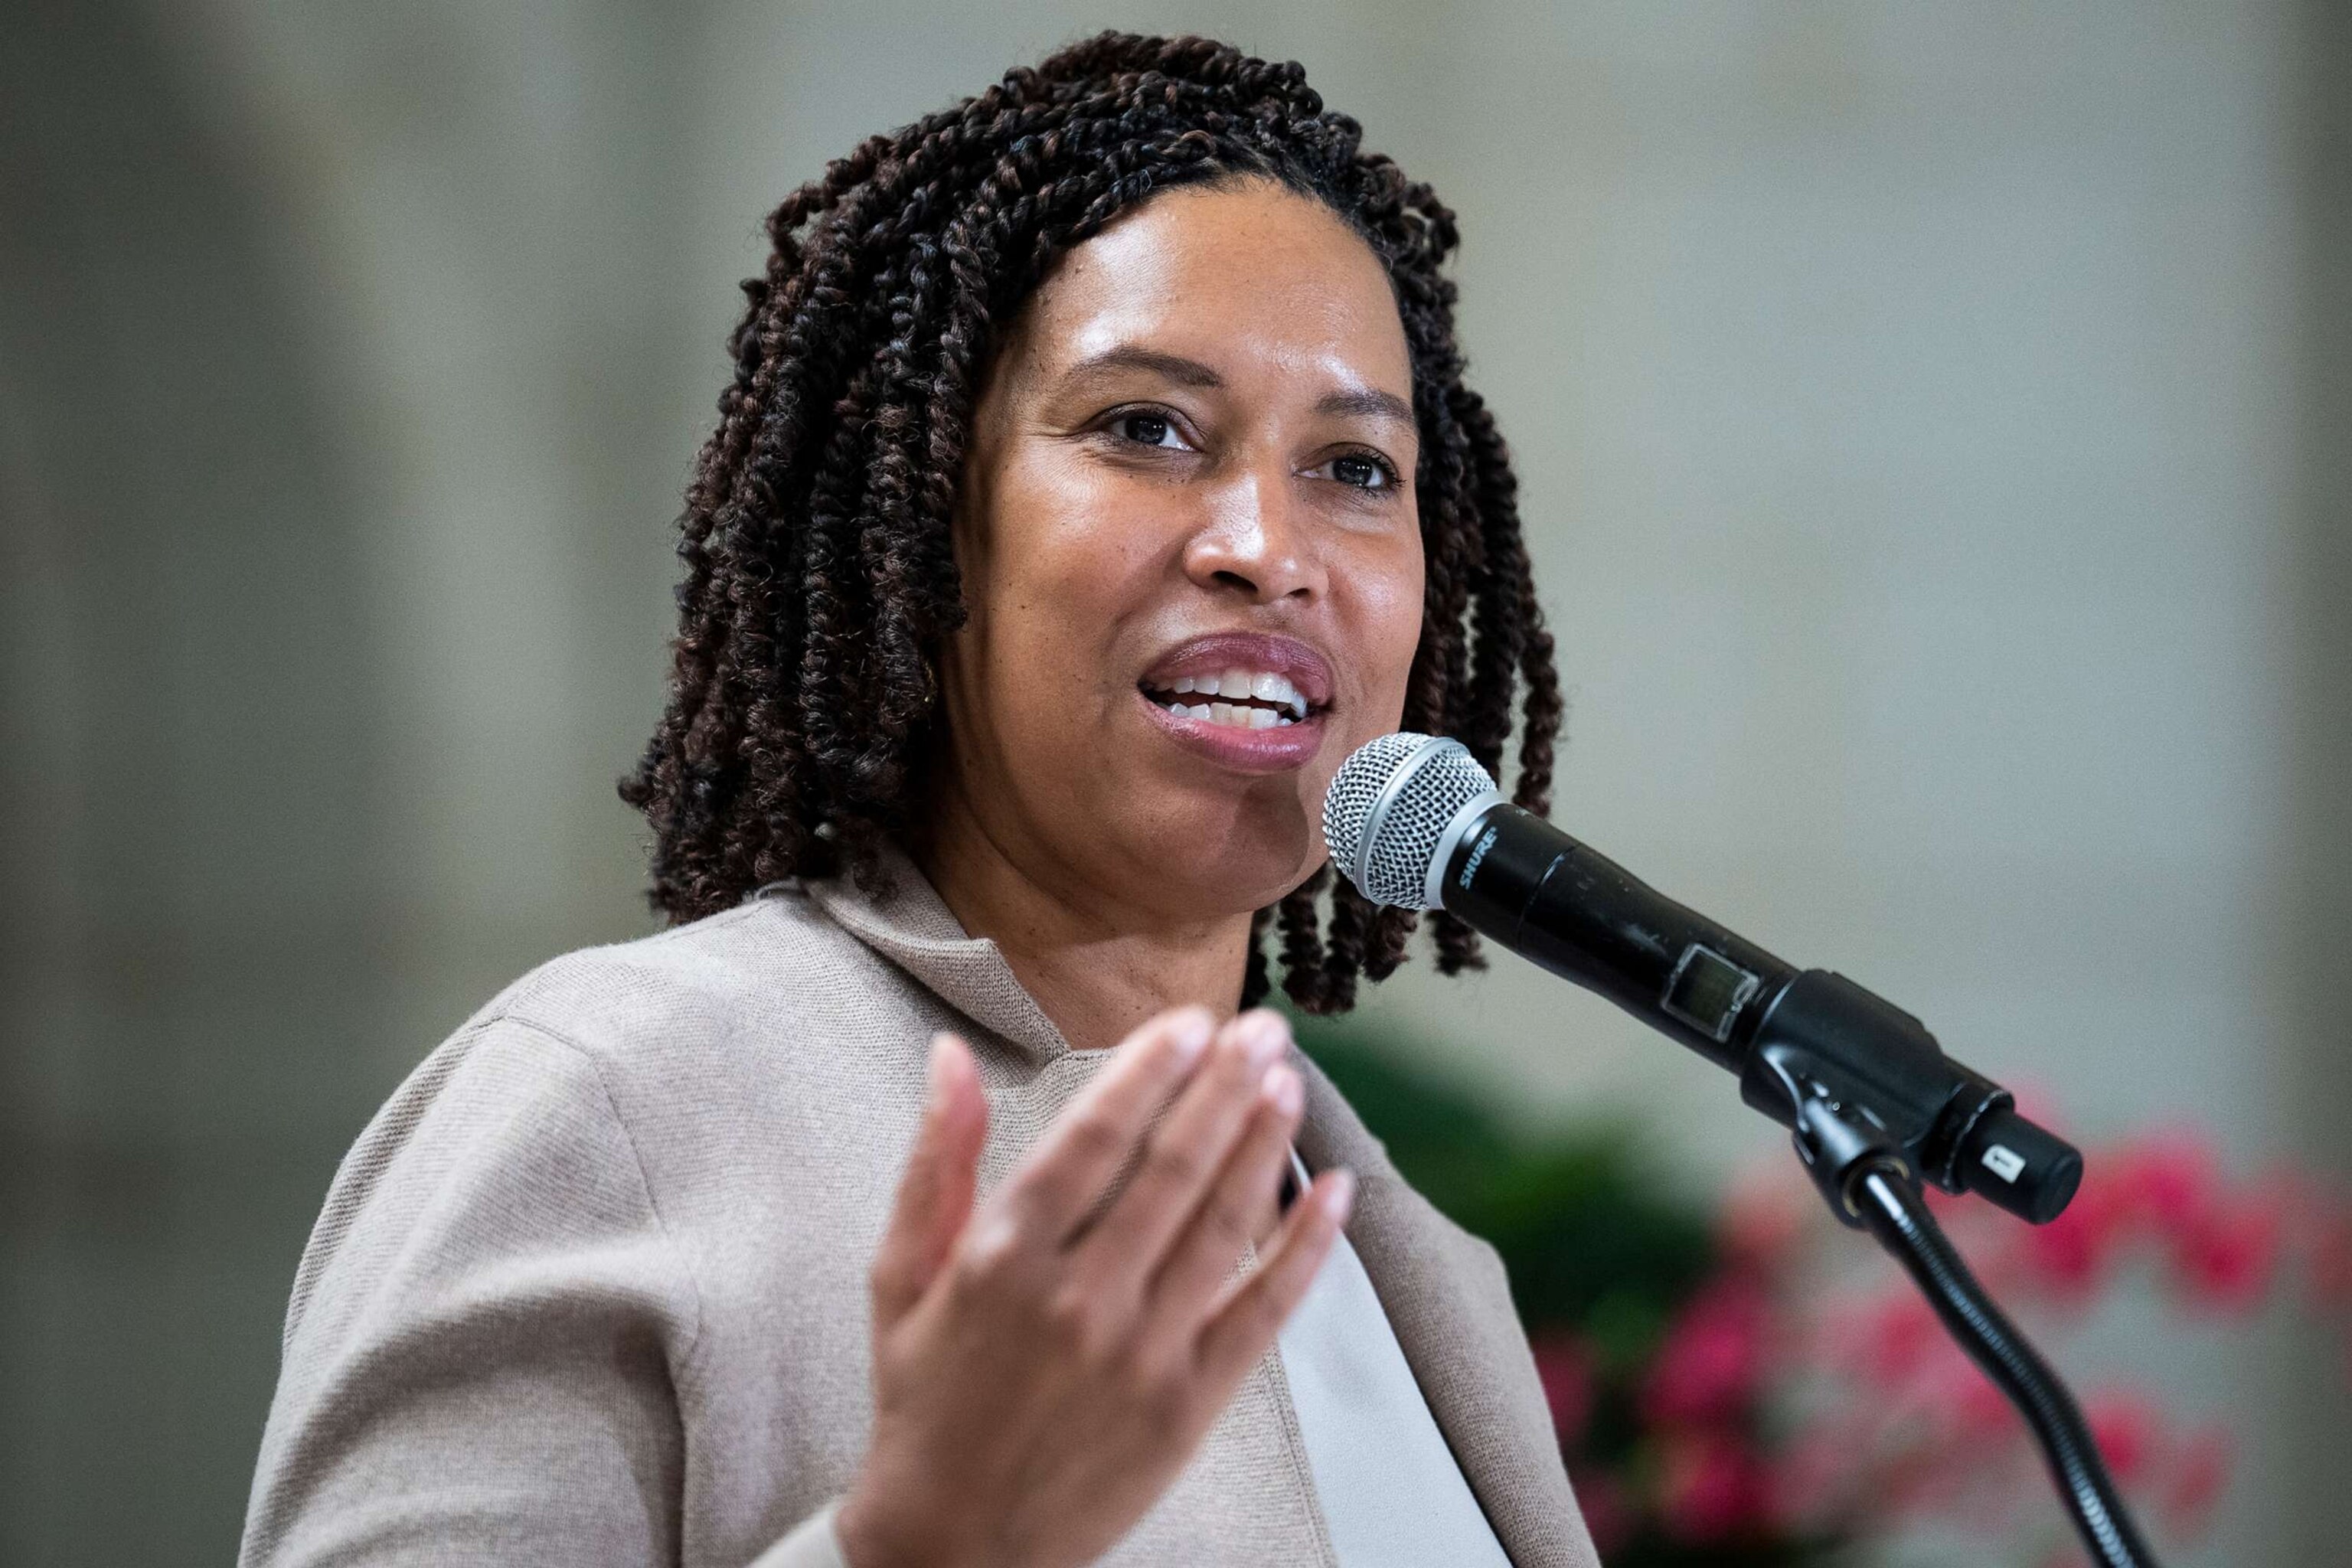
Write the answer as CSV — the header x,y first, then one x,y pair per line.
x,y
1206,1250
935,1194
1238,1332
1188,1150
1063,1176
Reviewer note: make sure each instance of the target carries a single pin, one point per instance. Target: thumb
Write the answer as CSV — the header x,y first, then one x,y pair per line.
x,y
935,1194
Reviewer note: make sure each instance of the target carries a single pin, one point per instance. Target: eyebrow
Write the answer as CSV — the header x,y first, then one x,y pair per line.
x,y
1368,402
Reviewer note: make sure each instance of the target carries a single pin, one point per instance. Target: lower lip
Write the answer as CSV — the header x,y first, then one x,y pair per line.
x,y
1273,751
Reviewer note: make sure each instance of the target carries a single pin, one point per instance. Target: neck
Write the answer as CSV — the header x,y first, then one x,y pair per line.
x,y
1097,964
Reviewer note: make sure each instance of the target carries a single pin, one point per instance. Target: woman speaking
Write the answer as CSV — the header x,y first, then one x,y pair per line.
x,y
1096,473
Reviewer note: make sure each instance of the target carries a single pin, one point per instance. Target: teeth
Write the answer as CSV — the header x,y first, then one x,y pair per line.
x,y
1274,688
1259,686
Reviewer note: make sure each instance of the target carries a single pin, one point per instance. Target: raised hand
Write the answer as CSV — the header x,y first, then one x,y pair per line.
x,y
1044,1366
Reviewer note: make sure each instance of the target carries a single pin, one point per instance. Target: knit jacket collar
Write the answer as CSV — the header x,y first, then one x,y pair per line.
x,y
908,923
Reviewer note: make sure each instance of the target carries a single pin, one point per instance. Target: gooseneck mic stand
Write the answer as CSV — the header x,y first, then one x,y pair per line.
x,y
1863,1175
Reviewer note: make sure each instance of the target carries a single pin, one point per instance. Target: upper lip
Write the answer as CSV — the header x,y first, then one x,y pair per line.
x,y
1257,652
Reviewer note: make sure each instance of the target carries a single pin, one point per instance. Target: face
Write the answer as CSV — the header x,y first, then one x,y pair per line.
x,y
1191,553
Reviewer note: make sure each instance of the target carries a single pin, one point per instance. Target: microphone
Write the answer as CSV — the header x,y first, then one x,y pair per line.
x,y
1414,822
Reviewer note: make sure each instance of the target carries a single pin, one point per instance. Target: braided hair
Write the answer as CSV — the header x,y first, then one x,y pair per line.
x,y
819,575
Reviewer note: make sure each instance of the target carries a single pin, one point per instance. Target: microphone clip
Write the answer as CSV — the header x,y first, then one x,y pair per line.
x,y
1838,1142
1825,1046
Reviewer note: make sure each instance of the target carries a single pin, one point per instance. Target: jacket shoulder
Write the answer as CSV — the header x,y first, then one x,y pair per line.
x,y
773,963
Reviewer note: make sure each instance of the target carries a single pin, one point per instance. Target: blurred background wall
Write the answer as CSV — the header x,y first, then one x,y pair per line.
x,y
1932,420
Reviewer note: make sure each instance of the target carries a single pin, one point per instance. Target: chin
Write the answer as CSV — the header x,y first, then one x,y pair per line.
x,y
1221,866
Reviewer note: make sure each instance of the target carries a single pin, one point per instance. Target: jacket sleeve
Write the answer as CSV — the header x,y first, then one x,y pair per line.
x,y
479,1356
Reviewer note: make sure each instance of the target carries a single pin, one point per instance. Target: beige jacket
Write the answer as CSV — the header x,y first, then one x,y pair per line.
x,y
591,1287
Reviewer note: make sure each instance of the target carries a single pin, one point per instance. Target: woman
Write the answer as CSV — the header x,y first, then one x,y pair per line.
x,y
1097,474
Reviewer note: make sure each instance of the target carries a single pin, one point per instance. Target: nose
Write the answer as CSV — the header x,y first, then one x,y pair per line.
x,y
1255,542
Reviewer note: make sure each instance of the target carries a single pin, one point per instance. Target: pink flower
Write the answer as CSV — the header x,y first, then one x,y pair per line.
x,y
1967,1421
1713,1487
1608,1514
2128,1431
2072,1255
1763,1219
1893,1337
1712,1357
1894,1423
2225,1255
1566,1366
2199,1477
1813,1477
2166,1178
2162,1185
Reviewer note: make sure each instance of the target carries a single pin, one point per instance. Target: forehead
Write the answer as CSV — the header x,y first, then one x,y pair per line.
x,y
1246,276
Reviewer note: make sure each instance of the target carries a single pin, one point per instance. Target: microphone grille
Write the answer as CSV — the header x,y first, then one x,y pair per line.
x,y
1386,813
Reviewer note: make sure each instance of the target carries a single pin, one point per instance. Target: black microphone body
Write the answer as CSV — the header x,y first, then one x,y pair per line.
x,y
1539,891
1578,913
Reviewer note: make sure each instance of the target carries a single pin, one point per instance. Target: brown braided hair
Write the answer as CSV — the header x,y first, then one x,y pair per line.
x,y
819,575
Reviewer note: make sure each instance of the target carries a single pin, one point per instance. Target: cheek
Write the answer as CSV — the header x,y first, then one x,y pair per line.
x,y
1388,592
1068,559
1095,540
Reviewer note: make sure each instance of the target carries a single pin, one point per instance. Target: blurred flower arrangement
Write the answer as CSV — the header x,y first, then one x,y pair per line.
x,y
1757,1386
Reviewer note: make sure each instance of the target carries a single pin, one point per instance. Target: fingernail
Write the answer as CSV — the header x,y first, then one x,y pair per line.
x,y
1339,1197
1281,1090
1190,1033
935,1077
1262,1035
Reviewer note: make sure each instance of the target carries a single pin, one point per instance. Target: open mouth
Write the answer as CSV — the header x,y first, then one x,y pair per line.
x,y
1238,698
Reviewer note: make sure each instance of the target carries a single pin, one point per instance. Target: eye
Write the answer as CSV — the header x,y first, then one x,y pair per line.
x,y
1363,471
1146,428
